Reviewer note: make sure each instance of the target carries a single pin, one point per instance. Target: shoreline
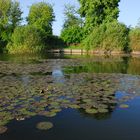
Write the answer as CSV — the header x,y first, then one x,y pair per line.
x,y
97,52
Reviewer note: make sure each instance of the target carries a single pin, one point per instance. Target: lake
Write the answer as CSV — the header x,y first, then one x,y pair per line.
x,y
69,97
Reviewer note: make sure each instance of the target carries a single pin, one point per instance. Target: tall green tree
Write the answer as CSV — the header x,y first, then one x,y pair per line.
x,y
72,28
71,16
41,16
15,15
134,37
4,9
96,12
10,17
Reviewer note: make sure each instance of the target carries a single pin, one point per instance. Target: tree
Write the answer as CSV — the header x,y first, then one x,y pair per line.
x,y
15,15
72,35
96,12
108,37
4,8
10,17
72,28
25,39
134,37
41,16
71,17
138,24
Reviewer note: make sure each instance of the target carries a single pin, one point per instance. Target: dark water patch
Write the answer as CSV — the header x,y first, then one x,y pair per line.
x,y
70,124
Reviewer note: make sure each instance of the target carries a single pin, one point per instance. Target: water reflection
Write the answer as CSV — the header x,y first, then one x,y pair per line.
x,y
126,65
58,75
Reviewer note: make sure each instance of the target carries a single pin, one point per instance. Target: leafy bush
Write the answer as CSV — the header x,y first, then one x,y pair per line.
x,y
108,37
72,27
72,35
25,39
134,37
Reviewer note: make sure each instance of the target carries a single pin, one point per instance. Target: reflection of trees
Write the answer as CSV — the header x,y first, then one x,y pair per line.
x,y
124,65
100,67
134,66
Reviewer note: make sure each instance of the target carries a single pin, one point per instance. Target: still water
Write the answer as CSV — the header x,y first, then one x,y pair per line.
x,y
84,97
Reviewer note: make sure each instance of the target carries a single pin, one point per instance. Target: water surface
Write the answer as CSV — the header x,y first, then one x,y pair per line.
x,y
61,89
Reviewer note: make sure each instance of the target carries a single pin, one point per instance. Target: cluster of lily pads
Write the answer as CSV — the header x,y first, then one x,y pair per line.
x,y
35,92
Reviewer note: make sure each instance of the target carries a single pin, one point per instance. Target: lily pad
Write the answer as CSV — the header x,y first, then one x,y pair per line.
x,y
44,125
91,111
124,106
102,110
74,106
87,100
3,129
51,114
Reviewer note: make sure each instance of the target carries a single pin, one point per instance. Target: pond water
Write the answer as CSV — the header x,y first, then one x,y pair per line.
x,y
74,97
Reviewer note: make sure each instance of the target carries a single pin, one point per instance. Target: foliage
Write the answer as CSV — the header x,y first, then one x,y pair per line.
x,y
4,8
96,12
72,28
15,15
10,17
72,35
34,36
108,37
134,37
41,16
71,17
25,39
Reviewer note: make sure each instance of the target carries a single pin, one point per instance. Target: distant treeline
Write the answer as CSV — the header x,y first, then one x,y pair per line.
x,y
94,26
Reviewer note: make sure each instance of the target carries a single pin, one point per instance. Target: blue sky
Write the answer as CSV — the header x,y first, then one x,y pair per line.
x,y
129,11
